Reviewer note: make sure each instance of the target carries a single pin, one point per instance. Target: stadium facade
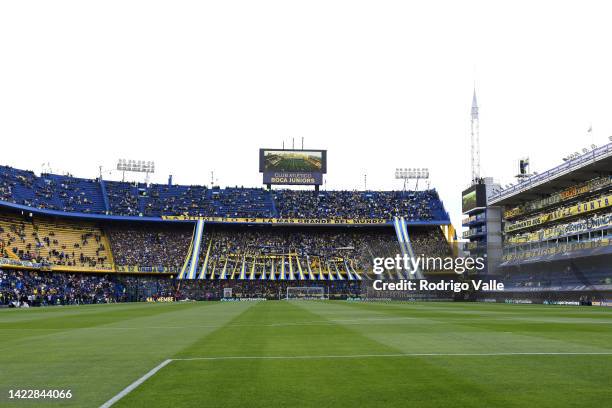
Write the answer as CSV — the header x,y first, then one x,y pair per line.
x,y
135,240
483,223
557,231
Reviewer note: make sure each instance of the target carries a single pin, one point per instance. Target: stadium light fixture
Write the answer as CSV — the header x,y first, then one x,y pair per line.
x,y
136,166
411,174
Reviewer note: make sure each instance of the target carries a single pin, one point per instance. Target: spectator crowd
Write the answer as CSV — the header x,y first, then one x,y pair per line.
x,y
52,243
29,288
67,193
19,288
150,246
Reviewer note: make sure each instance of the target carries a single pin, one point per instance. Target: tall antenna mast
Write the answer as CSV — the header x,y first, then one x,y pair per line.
x,y
475,140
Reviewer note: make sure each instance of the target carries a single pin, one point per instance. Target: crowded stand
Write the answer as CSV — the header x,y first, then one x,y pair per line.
x,y
578,219
341,252
312,247
50,191
155,246
30,288
70,194
163,246
202,201
174,199
122,198
594,226
429,241
413,205
21,288
66,240
580,189
53,242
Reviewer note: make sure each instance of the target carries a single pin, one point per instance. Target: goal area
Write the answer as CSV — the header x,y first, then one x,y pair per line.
x,y
306,293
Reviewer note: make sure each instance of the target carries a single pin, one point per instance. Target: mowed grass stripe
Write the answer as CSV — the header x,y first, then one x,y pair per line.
x,y
8,316
302,381
528,374
280,328
328,329
435,328
83,317
95,364
268,329
113,319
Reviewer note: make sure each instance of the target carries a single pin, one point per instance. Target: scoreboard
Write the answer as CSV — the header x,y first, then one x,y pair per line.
x,y
474,197
293,167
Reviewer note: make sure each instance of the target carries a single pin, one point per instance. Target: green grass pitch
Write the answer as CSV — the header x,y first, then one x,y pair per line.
x,y
349,354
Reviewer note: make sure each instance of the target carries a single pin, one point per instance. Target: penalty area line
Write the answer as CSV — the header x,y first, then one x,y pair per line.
x,y
164,363
135,384
322,357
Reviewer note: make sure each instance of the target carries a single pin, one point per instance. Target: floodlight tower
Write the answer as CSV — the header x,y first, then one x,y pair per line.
x,y
137,166
412,174
475,140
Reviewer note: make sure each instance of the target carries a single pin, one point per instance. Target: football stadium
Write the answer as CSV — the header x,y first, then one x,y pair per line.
x,y
152,295
178,248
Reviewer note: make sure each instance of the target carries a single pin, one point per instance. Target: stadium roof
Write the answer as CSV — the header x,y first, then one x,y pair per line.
x,y
585,167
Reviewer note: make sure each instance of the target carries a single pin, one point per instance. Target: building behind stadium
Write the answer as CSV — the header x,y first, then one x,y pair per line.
x,y
556,232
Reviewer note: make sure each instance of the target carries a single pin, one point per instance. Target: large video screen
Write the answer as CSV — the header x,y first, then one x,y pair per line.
x,y
474,197
292,166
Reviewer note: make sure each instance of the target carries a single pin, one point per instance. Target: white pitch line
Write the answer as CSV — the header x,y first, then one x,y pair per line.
x,y
393,355
135,384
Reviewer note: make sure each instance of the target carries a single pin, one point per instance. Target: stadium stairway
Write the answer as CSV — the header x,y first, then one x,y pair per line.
x,y
142,194
104,195
11,254
272,204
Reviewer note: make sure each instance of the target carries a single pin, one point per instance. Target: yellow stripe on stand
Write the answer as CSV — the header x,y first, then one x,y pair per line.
x,y
272,272
252,276
188,257
291,274
329,273
212,273
234,269
205,266
300,272
282,276
224,271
